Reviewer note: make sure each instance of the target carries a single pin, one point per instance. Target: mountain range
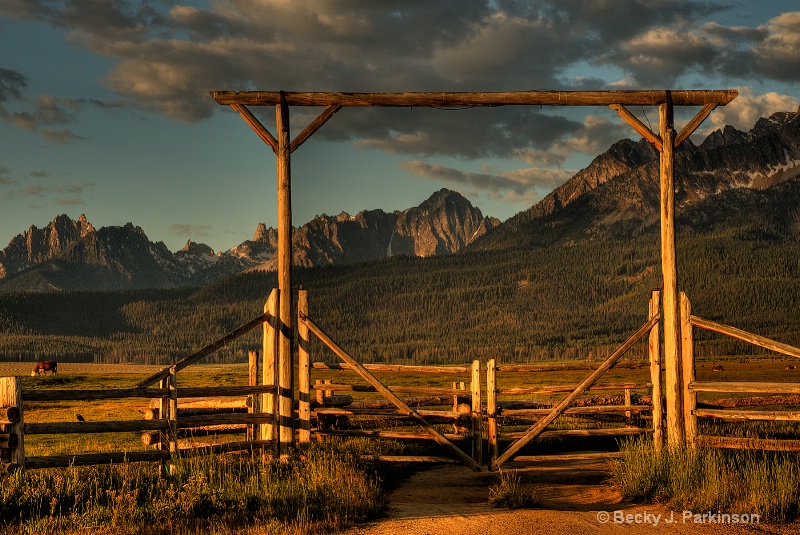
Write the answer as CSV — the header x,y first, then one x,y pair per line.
x,y
69,254
743,181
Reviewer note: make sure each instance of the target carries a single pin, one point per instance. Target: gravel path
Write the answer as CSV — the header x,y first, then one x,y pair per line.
x,y
451,500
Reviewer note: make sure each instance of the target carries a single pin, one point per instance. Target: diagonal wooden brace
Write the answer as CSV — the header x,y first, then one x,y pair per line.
x,y
404,409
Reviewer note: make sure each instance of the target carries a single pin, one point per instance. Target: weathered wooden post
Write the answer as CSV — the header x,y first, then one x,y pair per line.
x,y
269,356
304,369
669,269
173,410
654,349
491,412
13,420
254,403
163,413
285,336
628,414
687,346
477,415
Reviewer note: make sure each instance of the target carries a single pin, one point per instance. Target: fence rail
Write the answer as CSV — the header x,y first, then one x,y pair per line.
x,y
691,388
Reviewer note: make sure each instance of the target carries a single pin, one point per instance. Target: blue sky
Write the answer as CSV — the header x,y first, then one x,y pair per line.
x,y
104,105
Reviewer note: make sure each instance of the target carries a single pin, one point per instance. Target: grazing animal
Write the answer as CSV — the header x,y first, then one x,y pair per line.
x,y
790,367
717,368
44,366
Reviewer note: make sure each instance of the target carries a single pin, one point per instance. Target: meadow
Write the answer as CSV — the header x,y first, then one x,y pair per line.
x,y
330,485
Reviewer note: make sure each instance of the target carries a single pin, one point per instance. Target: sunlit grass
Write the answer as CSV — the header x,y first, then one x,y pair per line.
x,y
326,488
742,482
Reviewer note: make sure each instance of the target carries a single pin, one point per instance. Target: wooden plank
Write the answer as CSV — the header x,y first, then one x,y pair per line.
x,y
315,125
410,459
637,125
432,390
87,459
254,403
303,370
692,125
673,385
687,359
285,335
11,396
256,125
207,350
172,418
542,424
224,419
477,416
491,412
599,409
9,441
388,394
269,350
745,336
9,415
740,415
565,457
404,368
560,433
29,394
107,426
740,387
767,444
570,388
335,411
534,368
654,350
392,435
476,99
206,405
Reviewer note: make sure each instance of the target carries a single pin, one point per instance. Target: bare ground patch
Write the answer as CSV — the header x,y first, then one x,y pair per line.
x,y
451,499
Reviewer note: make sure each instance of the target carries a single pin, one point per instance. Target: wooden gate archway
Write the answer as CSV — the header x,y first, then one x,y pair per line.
x,y
665,141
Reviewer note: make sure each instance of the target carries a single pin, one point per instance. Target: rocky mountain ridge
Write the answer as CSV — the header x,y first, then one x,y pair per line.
x,y
69,254
617,195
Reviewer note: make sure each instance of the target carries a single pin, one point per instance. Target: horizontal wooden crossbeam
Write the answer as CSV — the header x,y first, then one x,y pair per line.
x,y
455,99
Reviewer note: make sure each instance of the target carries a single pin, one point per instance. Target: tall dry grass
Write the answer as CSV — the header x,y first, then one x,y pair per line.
x,y
697,479
324,489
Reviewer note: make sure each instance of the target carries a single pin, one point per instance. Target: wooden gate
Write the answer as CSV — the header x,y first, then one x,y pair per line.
x,y
306,325
650,326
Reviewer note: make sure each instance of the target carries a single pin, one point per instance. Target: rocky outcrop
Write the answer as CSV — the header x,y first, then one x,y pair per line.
x,y
617,195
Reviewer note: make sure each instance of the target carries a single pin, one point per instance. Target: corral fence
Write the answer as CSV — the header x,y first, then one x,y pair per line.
x,y
544,418
174,413
691,387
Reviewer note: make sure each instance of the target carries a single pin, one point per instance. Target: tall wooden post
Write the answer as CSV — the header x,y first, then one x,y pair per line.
x,y
687,347
654,348
491,412
285,373
303,369
11,397
254,403
669,271
173,410
477,416
269,352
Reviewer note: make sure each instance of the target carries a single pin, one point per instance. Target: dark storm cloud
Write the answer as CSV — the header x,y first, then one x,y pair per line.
x,y
169,56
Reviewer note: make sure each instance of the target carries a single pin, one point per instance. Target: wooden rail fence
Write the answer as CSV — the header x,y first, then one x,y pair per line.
x,y
692,387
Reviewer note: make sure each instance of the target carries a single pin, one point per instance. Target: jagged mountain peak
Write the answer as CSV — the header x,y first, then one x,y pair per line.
x,y
618,193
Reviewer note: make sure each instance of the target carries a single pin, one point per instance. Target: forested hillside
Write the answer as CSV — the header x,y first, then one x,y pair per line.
x,y
563,301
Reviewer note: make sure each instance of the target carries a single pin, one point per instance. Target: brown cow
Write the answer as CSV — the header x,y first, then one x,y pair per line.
x,y
44,366
717,368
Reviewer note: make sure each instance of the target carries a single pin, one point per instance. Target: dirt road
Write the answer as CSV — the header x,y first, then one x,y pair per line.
x,y
575,498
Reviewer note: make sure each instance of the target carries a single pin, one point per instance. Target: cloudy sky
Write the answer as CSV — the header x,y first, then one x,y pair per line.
x,y
104,104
